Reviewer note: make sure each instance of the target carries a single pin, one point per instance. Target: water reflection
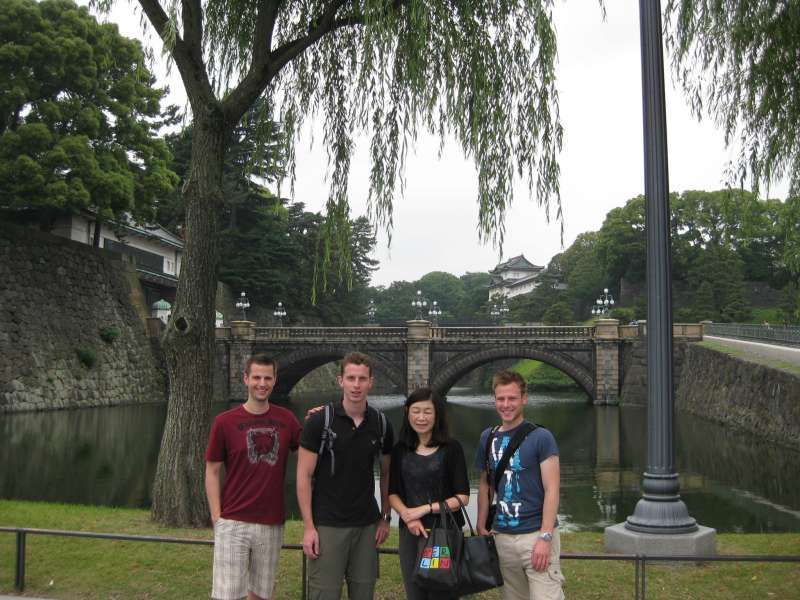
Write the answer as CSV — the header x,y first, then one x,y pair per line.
x,y
729,480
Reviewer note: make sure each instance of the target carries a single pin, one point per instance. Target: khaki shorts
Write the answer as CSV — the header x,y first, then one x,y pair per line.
x,y
245,559
522,582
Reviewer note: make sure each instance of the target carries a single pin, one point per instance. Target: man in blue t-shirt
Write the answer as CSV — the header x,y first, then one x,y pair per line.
x,y
525,525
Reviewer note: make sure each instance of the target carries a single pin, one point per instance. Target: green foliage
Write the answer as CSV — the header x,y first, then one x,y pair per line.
x,y
109,333
271,248
737,61
624,315
483,73
461,299
543,377
559,313
78,115
87,355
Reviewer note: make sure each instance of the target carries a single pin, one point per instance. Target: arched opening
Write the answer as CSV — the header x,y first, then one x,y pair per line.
x,y
453,370
296,364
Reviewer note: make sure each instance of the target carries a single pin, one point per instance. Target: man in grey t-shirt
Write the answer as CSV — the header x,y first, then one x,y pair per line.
x,y
525,525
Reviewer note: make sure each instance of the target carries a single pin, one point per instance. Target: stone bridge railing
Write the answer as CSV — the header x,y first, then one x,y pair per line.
x,y
247,330
416,345
331,334
511,333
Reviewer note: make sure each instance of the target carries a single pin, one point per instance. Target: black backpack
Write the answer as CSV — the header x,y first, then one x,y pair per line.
x,y
329,435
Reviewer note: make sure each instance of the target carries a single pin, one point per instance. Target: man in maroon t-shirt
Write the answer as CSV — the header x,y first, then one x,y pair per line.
x,y
253,442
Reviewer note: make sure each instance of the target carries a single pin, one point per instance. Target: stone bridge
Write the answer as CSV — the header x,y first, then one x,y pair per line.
x,y
422,354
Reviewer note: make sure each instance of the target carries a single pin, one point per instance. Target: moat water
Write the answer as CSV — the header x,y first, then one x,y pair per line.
x,y
730,480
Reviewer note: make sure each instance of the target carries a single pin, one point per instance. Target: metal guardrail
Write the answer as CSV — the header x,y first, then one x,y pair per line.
x,y
639,560
783,335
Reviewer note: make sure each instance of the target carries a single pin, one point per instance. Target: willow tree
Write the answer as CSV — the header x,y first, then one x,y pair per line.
x,y
481,72
738,63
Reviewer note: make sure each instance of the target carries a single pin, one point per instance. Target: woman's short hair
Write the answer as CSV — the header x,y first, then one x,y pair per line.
x,y
440,434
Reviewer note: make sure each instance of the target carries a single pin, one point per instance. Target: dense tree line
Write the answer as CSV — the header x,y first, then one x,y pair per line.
x,y
461,299
722,242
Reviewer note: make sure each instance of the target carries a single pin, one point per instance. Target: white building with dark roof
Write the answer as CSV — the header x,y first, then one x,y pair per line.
x,y
514,277
155,251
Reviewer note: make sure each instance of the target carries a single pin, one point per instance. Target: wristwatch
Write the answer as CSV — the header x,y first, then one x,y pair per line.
x,y
546,536
387,518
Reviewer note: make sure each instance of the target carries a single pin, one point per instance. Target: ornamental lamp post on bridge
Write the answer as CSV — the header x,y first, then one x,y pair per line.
x,y
435,312
371,310
243,304
419,303
279,313
660,523
498,313
603,304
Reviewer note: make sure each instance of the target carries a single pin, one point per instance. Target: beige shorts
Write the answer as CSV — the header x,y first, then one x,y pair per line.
x,y
245,559
521,581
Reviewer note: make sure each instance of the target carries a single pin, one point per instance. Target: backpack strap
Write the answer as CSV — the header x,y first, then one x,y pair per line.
x,y
328,436
383,429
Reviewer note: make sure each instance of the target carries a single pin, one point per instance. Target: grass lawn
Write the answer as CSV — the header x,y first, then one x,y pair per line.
x,y
739,352
88,568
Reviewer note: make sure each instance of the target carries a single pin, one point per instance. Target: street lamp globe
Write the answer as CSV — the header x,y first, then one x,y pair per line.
x,y
419,303
279,313
435,312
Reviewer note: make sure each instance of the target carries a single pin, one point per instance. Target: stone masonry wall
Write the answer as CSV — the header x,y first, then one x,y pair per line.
x,y
742,394
633,375
56,296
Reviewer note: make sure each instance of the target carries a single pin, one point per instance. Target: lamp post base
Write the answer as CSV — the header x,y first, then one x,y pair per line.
x,y
619,539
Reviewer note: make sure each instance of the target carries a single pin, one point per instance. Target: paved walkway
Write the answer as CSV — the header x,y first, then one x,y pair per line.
x,y
18,597
787,354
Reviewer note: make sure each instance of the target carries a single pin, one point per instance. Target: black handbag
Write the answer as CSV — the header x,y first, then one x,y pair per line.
x,y
439,554
494,480
479,565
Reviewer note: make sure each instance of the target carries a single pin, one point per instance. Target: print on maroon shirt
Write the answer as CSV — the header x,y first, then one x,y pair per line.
x,y
263,444
254,449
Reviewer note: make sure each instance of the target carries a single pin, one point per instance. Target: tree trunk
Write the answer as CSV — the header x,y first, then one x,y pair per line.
x,y
178,490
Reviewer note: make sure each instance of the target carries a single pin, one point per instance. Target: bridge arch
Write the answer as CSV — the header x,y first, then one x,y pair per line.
x,y
297,363
454,369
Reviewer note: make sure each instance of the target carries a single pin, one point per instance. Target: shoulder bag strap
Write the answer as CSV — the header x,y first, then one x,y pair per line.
x,y
515,442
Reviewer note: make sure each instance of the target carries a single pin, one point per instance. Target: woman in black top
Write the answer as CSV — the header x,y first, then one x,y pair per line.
x,y
427,467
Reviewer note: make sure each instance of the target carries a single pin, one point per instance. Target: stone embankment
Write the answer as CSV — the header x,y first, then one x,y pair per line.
x,y
70,335
716,386
633,376
742,394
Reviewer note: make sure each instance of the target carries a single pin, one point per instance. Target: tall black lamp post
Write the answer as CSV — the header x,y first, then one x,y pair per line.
x,y
371,310
660,509
660,523
243,304
279,313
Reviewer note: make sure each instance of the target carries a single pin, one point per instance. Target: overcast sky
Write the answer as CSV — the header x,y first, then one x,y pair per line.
x,y
599,81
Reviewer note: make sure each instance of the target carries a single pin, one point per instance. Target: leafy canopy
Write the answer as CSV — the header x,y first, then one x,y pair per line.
x,y
78,114
480,71
738,62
